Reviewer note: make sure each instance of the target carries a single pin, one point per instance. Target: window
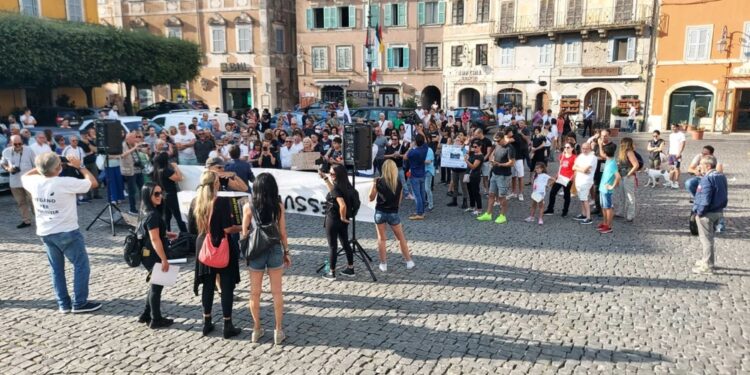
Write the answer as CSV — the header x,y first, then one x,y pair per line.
x,y
279,40
546,13
746,42
374,57
456,54
75,10
575,12
319,59
244,38
458,12
507,15
30,7
395,14
483,11
698,43
546,54
506,56
174,32
218,39
343,58
331,17
398,57
431,13
431,57
621,49
372,16
572,52
481,54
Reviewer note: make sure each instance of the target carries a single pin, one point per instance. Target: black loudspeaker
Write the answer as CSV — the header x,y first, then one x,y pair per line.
x,y
358,146
109,136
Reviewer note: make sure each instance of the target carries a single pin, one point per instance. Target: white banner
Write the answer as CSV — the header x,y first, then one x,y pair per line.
x,y
301,192
452,156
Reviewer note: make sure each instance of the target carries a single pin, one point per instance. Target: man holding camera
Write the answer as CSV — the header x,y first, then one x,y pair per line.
x,y
17,160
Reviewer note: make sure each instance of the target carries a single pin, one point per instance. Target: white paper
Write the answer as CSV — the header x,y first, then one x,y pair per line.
x,y
452,156
562,180
166,279
177,261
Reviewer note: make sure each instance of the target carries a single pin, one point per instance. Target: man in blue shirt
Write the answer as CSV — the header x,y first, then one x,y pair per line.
x,y
710,200
241,168
417,156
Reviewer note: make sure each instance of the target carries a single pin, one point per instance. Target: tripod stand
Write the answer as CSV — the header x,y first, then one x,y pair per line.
x,y
110,206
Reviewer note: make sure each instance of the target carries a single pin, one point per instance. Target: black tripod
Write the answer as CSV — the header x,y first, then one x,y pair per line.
x,y
110,206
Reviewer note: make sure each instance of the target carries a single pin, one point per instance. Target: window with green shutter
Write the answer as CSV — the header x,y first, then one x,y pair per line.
x,y
401,16
395,14
397,58
388,14
374,14
316,18
431,13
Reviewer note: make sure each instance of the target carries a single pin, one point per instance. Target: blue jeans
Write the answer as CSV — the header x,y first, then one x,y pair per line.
x,y
417,186
68,245
428,189
402,178
135,183
691,185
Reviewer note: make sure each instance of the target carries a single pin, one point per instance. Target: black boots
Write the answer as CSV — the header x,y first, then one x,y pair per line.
x,y
230,330
208,326
160,323
464,205
146,316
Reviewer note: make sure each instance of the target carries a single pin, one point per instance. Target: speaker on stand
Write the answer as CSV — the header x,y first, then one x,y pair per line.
x,y
109,138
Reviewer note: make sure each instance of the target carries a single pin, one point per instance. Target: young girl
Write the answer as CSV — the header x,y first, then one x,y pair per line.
x,y
541,182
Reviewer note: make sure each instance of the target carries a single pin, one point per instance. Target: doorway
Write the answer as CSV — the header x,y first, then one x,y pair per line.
x,y
236,94
468,98
742,111
601,103
388,98
430,94
333,94
542,101
684,101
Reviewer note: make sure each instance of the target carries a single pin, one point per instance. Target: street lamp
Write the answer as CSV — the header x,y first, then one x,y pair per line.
x,y
368,59
723,43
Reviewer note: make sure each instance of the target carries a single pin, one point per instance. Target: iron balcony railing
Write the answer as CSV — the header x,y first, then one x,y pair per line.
x,y
579,19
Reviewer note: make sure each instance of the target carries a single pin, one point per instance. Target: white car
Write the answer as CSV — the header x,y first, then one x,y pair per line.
x,y
174,118
129,123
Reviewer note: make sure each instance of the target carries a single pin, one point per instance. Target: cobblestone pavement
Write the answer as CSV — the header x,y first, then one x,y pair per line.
x,y
483,299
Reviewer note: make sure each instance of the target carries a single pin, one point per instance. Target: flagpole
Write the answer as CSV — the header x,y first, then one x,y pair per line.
x,y
368,57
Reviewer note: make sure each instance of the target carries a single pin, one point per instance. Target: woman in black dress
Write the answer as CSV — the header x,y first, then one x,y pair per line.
x,y
336,220
155,241
213,217
167,175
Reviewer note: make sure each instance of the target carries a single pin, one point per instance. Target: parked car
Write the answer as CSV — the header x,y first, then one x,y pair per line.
x,y
172,119
53,116
317,120
391,113
4,180
163,107
198,104
482,118
88,113
129,123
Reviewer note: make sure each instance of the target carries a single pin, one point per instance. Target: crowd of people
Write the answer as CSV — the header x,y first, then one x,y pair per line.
x,y
406,161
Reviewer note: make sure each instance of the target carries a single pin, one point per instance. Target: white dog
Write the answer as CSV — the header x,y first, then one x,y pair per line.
x,y
654,175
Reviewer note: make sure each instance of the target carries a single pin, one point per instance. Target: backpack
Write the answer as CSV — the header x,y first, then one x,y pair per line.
x,y
640,161
133,247
352,203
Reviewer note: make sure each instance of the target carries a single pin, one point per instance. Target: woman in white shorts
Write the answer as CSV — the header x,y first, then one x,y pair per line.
x,y
585,167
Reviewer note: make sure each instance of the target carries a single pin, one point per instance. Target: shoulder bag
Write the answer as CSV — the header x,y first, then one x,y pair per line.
x,y
264,237
214,256
133,249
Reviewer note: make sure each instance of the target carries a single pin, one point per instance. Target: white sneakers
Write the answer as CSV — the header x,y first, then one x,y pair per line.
x,y
520,197
409,264
384,266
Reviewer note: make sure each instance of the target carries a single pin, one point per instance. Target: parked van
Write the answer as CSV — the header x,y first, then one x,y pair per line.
x,y
172,119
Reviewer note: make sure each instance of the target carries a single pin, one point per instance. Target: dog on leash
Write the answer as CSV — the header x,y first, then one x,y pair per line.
x,y
654,175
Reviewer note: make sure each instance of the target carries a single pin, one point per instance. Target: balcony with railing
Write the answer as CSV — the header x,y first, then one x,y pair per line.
x,y
573,20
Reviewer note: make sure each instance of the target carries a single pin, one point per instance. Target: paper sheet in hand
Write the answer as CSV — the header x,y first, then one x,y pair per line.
x,y
166,279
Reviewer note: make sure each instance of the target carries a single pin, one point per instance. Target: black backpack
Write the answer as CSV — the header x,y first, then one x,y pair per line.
x,y
352,203
133,247
640,160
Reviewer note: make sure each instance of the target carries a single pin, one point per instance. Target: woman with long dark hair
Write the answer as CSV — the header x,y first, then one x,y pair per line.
x,y
336,220
212,219
267,208
167,175
155,240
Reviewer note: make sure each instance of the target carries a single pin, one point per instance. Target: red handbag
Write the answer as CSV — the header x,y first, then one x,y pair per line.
x,y
213,256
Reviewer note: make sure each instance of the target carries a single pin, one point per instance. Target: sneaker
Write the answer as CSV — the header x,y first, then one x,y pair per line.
x,y
501,219
605,230
469,209
485,217
586,221
675,185
540,222
64,310
88,307
416,217
383,267
278,336
579,218
410,264
520,197
160,323
330,276
549,213
703,270
23,225
257,334
529,219
348,272
476,212
512,196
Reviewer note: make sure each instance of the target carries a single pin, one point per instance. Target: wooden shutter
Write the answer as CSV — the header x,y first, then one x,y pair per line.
x,y
374,15
388,14
389,58
405,54
631,49
441,12
352,16
402,9
310,20
420,13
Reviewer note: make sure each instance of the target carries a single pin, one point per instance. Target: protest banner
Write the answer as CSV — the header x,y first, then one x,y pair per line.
x,y
452,156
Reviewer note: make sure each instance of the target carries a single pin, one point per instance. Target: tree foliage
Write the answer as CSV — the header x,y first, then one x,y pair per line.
x,y
48,53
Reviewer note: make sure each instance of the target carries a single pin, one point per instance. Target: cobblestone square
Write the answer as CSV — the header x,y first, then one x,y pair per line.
x,y
483,299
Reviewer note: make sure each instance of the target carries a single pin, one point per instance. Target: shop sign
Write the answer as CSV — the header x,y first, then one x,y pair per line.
x,y
600,71
235,67
743,70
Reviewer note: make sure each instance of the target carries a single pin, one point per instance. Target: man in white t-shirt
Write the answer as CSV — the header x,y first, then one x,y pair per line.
x,y
27,120
40,146
676,147
585,167
185,141
632,112
54,200
297,147
384,124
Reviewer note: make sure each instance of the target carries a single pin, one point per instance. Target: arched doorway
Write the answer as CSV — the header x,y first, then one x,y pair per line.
x,y
542,101
510,97
684,101
601,103
430,94
332,94
468,98
388,97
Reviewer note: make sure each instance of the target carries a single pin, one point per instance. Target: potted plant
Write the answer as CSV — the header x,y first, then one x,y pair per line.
x,y
700,112
616,112
696,132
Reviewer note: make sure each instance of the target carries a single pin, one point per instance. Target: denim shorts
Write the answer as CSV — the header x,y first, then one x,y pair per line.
x,y
387,218
272,259
500,185
606,199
